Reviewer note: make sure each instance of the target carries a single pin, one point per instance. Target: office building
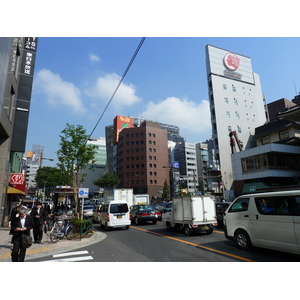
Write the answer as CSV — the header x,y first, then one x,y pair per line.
x,y
236,105
142,159
16,77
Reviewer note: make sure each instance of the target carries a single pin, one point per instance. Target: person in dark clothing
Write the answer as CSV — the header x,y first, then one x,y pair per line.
x,y
20,225
39,216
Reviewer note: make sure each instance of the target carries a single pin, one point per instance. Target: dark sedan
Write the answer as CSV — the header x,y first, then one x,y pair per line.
x,y
144,213
220,209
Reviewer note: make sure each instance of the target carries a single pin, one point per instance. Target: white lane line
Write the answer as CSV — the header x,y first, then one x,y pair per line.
x,y
70,259
70,253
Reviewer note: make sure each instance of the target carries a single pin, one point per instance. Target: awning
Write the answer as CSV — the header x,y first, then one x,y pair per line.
x,y
11,190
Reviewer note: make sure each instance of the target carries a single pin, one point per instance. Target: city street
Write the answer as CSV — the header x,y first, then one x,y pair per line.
x,y
153,243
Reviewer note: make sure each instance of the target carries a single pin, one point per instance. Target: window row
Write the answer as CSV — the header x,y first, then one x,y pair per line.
x,y
282,135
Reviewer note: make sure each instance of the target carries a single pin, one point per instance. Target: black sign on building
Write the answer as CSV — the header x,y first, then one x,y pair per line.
x,y
28,55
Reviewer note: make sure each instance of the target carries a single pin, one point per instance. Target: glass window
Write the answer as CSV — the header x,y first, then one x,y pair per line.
x,y
224,87
239,205
274,205
228,114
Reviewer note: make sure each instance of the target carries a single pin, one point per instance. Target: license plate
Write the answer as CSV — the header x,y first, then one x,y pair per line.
x,y
205,227
119,217
151,215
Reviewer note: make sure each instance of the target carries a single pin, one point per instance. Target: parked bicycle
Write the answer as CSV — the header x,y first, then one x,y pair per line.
x,y
62,228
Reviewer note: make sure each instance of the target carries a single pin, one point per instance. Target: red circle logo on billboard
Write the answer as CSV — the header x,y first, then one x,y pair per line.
x,y
231,61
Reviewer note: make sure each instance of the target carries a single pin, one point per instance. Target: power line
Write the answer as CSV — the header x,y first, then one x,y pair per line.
x,y
119,84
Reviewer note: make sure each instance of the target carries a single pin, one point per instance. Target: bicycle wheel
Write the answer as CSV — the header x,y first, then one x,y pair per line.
x,y
53,235
70,233
50,224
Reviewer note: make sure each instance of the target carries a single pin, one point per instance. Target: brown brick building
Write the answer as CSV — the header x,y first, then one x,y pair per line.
x,y
143,159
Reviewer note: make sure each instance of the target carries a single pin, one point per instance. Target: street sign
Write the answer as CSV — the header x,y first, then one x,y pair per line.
x,y
83,192
175,164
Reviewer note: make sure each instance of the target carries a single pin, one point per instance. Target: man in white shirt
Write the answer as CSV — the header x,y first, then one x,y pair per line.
x,y
19,226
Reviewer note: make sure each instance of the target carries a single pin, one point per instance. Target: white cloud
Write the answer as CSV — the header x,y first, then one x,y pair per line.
x,y
192,118
106,85
59,92
94,58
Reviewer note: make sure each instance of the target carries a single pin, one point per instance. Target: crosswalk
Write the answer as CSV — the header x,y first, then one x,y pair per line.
x,y
71,257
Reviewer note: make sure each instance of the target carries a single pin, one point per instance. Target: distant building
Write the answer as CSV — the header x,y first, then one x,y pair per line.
x,y
96,170
142,159
277,106
236,104
185,155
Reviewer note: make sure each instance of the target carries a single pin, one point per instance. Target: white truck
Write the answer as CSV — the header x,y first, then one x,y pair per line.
x,y
120,194
141,199
191,214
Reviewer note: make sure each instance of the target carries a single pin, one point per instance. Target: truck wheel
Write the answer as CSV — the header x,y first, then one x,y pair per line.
x,y
242,240
187,230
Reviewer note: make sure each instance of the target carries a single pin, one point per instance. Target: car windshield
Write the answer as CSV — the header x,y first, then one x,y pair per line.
x,y
119,208
147,207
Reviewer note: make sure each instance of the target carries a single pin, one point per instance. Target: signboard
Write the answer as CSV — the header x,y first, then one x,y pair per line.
x,y
120,123
175,164
83,192
228,64
16,178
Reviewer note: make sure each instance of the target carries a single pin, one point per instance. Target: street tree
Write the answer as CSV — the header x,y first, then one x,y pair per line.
x,y
74,156
107,181
166,191
47,178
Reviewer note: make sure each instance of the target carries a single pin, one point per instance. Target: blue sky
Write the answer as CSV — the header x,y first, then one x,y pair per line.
x,y
75,78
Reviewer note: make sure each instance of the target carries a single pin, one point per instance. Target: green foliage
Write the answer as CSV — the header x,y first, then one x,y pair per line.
x,y
48,177
166,191
107,181
74,155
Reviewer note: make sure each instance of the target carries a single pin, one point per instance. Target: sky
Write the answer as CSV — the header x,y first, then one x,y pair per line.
x,y
75,78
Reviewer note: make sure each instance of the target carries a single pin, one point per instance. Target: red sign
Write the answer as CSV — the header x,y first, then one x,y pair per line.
x,y
16,178
231,61
120,123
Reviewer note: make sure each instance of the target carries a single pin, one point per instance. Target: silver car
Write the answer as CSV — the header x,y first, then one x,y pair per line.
x,y
88,210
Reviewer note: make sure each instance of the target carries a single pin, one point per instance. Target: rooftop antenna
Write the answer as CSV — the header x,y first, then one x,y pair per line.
x,y
296,93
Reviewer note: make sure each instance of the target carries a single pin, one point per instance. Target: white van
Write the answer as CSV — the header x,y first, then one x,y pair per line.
x,y
114,214
268,220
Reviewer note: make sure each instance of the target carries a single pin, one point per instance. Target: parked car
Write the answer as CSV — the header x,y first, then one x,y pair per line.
x,y
220,209
96,214
88,210
160,207
144,213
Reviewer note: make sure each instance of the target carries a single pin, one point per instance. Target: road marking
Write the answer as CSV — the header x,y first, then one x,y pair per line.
x,y
71,253
70,259
196,245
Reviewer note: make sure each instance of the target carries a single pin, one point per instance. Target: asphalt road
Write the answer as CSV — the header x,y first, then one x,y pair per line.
x,y
153,243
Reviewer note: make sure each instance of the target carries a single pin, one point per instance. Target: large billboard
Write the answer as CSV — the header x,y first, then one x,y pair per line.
x,y
119,124
228,64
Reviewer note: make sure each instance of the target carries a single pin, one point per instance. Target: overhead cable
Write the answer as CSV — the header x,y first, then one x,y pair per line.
x,y
119,84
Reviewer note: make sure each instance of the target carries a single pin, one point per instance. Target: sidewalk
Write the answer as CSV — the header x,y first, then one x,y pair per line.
x,y
47,248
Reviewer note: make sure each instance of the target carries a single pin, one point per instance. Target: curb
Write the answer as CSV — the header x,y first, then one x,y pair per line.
x,y
59,247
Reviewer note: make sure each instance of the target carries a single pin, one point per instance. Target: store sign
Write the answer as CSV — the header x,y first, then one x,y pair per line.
x,y
16,178
232,62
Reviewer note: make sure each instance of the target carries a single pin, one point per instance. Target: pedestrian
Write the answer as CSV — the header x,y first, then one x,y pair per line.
x,y
20,225
14,213
38,214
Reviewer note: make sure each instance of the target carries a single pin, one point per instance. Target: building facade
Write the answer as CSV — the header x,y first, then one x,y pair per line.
x,y
16,78
236,104
185,155
142,159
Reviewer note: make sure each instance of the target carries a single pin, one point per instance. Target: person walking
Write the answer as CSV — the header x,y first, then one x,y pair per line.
x,y
39,216
20,225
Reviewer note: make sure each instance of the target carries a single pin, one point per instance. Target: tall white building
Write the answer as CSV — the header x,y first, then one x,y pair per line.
x,y
236,104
